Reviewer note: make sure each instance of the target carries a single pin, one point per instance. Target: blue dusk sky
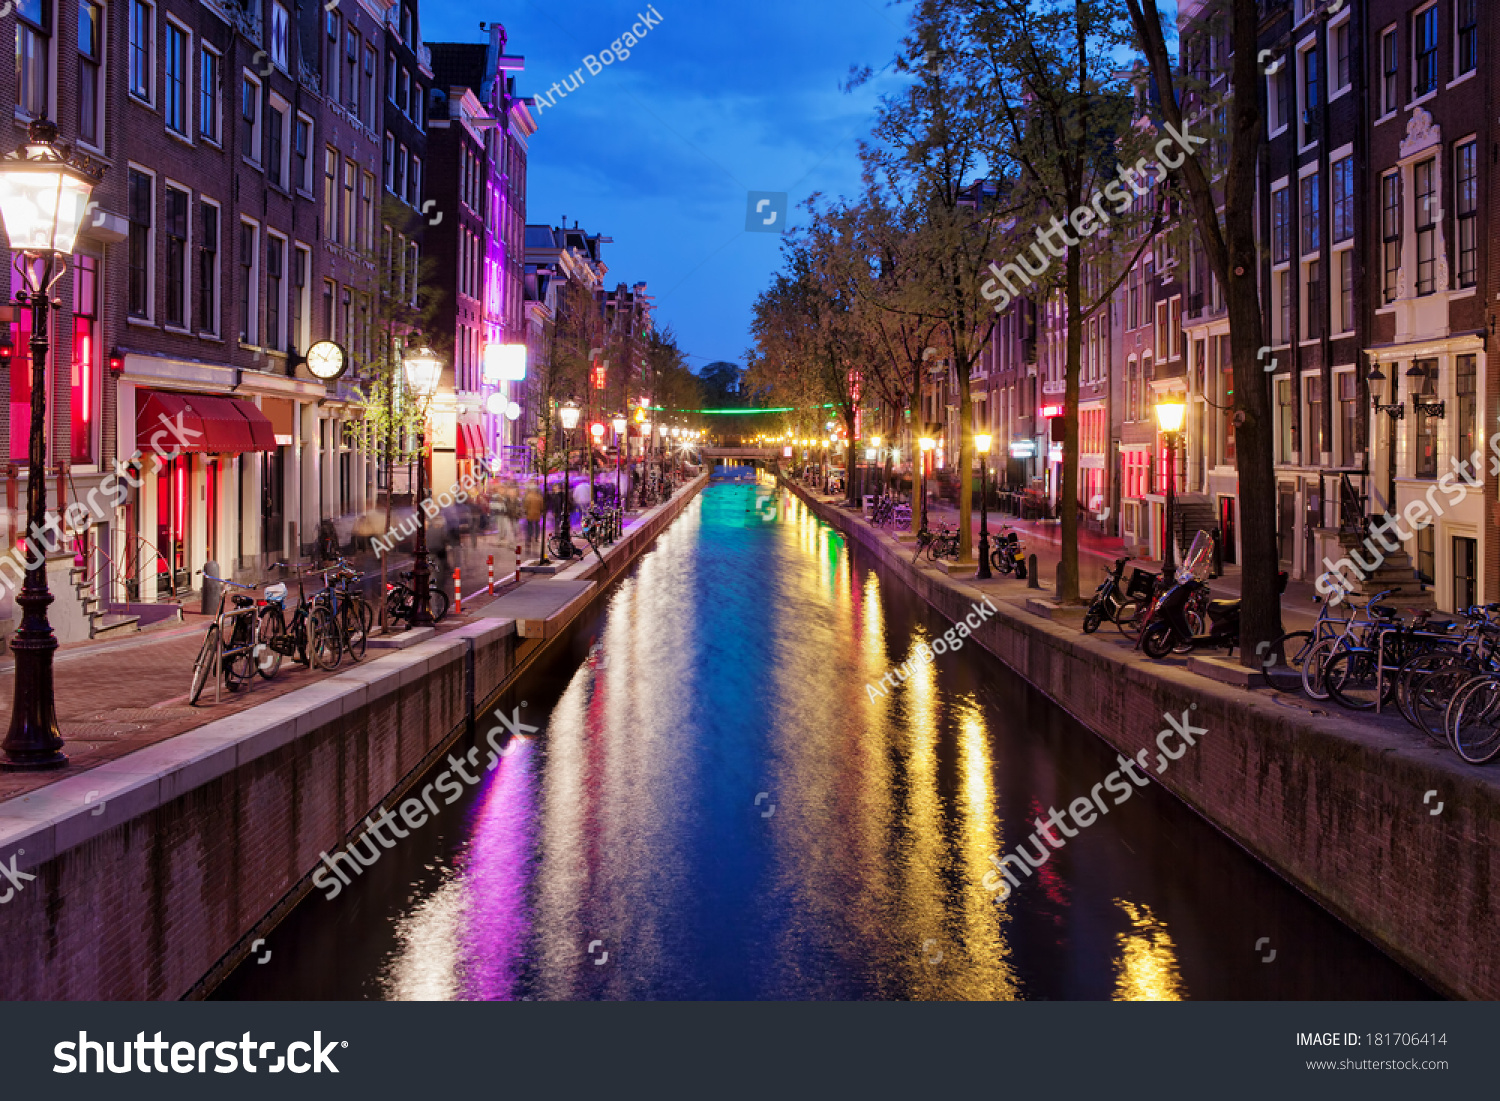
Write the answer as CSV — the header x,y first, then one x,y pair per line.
x,y
661,150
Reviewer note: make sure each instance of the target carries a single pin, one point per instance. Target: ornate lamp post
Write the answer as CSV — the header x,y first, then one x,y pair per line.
x,y
596,434
423,370
1169,417
568,413
982,445
927,443
618,423
44,196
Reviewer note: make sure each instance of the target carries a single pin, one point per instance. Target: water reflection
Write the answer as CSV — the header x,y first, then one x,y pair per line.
x,y
726,802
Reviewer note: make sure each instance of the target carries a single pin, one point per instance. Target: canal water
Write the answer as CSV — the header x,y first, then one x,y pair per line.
x,y
715,805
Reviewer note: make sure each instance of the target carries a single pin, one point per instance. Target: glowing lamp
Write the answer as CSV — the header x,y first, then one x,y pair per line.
x,y
1170,415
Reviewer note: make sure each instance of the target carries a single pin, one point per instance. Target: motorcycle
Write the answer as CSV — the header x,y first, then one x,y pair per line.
x,y
1171,627
1007,555
1112,600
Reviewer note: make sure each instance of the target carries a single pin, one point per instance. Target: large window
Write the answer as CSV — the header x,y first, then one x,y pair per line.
x,y
367,212
302,284
1312,433
1311,83
142,28
330,194
138,282
90,87
1466,415
351,206
86,358
1390,231
1424,48
249,277
388,161
1466,184
250,144
1390,84
372,100
1287,417
208,271
1312,300
1281,225
332,24
176,227
1466,19
1342,199
1349,417
208,95
1339,45
275,290
278,153
302,163
1345,259
1425,437
175,82
280,33
1424,184
1311,213
33,49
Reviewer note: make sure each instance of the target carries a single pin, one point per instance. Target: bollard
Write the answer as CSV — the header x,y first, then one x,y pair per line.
x,y
492,574
1031,578
518,561
458,593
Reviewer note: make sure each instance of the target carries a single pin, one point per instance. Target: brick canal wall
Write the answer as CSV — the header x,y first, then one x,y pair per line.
x,y
155,873
1334,806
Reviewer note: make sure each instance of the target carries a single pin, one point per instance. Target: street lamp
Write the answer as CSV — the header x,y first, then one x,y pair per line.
x,y
982,445
568,414
618,423
1170,413
927,443
423,370
44,196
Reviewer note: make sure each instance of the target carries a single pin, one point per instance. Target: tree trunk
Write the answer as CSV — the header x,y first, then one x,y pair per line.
x,y
1067,501
965,469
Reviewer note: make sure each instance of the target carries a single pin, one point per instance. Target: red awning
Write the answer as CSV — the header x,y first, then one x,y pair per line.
x,y
471,442
167,422
262,431
164,424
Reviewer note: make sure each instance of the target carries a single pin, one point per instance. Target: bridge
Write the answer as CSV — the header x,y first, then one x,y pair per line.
x,y
766,454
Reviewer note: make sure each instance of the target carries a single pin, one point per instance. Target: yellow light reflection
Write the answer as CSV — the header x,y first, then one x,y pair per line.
x,y
988,973
1147,968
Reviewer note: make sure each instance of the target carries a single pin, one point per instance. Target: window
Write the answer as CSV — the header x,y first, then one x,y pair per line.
x,y
372,103
1466,184
351,208
250,118
176,227
405,101
1312,300
1281,225
1424,45
302,281
90,56
351,64
1424,446
33,49
1310,213
278,152
249,276
330,194
208,95
328,315
331,67
1287,416
1313,429
1465,571
367,212
138,281
1279,98
1346,290
346,321
1389,79
1282,290
1424,183
1349,417
1390,229
406,26
86,358
302,163
175,80
281,23
1310,84
1343,199
275,291
1466,415
142,29
208,271
415,195
400,187
390,77
1339,38
388,161
1466,49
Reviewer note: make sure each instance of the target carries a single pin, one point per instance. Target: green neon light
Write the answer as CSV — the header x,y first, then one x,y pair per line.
x,y
729,412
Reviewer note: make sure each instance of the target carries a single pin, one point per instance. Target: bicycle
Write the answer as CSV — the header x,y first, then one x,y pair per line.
x,y
1356,676
1293,647
309,637
232,641
351,614
401,600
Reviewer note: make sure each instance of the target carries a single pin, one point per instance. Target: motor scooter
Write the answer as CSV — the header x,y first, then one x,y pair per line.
x,y
1171,628
1111,599
1008,555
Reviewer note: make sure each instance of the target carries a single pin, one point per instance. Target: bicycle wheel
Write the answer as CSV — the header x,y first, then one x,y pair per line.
x,y
204,664
1430,694
1132,618
1287,652
1476,725
1350,678
1313,667
437,604
324,646
357,621
267,657
239,667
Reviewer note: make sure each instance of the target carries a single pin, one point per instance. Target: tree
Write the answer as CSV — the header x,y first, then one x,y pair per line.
x,y
1067,117
1229,243
721,385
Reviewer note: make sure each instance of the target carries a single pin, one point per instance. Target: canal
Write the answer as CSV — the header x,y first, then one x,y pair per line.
x,y
715,805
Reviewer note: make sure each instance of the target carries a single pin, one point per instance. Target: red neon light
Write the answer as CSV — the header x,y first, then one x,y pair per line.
x,y
1052,410
86,358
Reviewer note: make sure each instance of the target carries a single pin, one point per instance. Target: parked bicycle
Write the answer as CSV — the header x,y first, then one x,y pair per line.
x,y
401,600
232,649
939,544
306,634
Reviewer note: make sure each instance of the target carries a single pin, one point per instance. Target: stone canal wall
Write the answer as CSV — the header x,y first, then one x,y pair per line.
x,y
155,873
1338,808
